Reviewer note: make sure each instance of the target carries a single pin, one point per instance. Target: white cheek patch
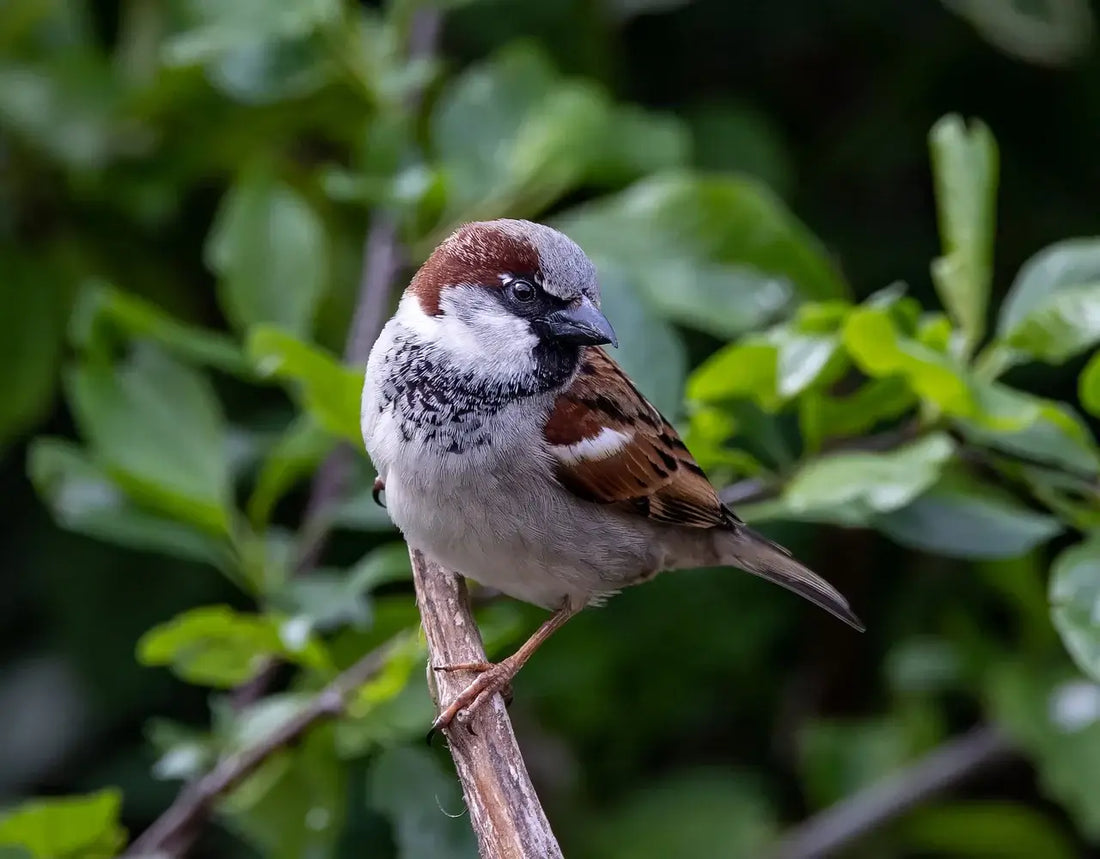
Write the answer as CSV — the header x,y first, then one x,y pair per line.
x,y
607,443
481,333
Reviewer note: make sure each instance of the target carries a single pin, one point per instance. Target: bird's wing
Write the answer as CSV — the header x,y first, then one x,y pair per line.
x,y
611,446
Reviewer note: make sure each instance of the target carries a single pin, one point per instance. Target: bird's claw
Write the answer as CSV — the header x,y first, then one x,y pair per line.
x,y
493,678
376,492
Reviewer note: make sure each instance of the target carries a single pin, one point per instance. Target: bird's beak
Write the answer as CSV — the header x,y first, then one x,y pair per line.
x,y
581,323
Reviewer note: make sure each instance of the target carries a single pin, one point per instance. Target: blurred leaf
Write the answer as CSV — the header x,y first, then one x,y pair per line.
x,y
1089,386
822,417
359,512
1057,722
157,427
295,455
1075,602
269,250
424,804
746,369
513,136
68,111
30,343
721,254
83,498
1068,264
965,167
838,758
294,806
881,350
1047,32
328,598
215,28
962,519
690,815
74,827
982,829
100,307
850,487
770,368
330,391
1049,431
645,337
216,646
1063,325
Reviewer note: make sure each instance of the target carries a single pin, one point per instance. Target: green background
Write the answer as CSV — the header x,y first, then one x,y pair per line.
x,y
849,247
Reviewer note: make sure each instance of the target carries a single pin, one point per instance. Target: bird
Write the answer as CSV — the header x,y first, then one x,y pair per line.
x,y
513,449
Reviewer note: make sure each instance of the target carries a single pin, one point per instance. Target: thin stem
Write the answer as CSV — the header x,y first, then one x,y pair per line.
x,y
172,833
867,810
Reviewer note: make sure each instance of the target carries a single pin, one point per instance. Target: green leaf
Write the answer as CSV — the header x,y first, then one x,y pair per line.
x,y
969,828
30,342
157,427
327,598
822,417
1067,264
1089,386
330,391
962,519
1065,324
215,28
423,803
83,498
644,336
880,350
850,487
100,308
513,136
269,250
746,369
1075,602
217,646
1056,720
709,812
296,454
74,827
718,253
1032,427
67,111
964,167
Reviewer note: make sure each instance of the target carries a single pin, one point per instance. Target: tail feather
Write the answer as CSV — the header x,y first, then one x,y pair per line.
x,y
758,555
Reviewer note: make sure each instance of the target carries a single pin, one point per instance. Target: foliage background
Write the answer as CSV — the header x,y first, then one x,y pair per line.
x,y
186,186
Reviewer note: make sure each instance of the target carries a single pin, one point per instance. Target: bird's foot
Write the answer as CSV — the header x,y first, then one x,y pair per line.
x,y
377,490
492,678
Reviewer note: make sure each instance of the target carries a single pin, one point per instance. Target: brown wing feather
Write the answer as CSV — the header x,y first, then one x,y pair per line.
x,y
652,473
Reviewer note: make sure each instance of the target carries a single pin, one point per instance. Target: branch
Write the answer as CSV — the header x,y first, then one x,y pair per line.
x,y
172,833
504,810
854,817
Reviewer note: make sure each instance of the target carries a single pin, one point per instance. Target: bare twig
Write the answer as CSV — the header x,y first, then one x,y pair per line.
x,y
865,811
172,833
504,810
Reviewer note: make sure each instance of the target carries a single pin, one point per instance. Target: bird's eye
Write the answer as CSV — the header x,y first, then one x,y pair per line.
x,y
522,291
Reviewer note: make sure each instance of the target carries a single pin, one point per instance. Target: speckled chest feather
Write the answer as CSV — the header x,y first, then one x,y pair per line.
x,y
446,407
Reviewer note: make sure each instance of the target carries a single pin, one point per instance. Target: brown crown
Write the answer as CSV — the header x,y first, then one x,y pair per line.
x,y
474,254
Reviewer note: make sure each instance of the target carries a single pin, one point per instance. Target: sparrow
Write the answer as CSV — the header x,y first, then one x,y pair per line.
x,y
515,451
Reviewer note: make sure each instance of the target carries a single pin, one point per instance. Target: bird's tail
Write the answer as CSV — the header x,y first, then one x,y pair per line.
x,y
758,555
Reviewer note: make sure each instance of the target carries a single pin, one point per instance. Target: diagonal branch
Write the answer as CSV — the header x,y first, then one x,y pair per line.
x,y
504,810
854,817
172,833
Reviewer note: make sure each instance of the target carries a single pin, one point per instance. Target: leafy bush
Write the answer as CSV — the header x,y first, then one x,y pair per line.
x,y
294,129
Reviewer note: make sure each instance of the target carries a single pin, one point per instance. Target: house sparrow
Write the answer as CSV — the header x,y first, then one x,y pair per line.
x,y
515,451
